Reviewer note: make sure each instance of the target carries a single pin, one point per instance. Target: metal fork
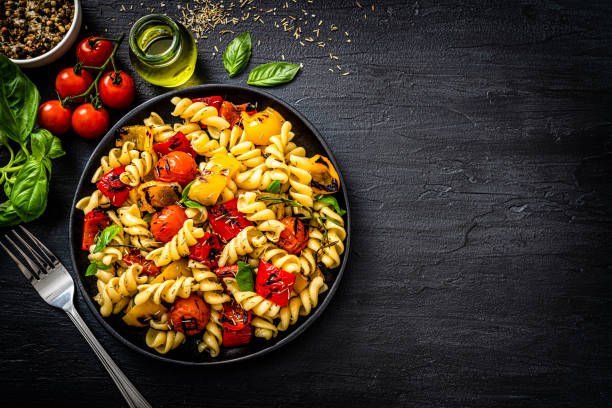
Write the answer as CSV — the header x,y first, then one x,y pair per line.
x,y
55,285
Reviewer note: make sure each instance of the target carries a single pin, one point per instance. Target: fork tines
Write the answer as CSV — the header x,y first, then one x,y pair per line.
x,y
37,256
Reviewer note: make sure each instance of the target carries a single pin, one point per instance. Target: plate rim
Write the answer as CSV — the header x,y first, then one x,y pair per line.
x,y
95,155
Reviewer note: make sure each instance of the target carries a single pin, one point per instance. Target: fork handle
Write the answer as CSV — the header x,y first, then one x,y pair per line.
x,y
129,392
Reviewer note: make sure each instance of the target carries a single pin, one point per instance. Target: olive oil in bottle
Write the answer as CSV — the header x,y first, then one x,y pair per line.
x,y
162,51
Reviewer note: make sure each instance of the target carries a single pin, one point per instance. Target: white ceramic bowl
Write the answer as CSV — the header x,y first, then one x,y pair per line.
x,y
61,48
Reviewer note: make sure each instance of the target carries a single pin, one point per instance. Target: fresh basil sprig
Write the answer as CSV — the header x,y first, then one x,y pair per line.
x,y
331,201
106,236
273,73
245,277
237,54
148,217
186,200
94,266
274,187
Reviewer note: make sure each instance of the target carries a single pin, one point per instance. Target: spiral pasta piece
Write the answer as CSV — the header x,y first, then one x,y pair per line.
x,y
138,169
115,295
198,112
300,180
255,209
277,257
208,285
178,246
242,244
107,255
264,328
272,229
252,301
167,290
333,247
116,157
161,131
95,200
213,336
164,341
198,215
160,323
136,228
302,304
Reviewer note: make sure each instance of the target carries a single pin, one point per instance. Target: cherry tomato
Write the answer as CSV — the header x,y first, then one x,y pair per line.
x,y
117,90
294,237
90,122
207,250
189,315
112,187
135,257
176,166
94,51
68,83
234,317
95,221
167,222
54,117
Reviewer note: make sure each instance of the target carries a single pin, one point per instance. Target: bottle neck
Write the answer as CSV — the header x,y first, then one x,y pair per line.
x,y
155,39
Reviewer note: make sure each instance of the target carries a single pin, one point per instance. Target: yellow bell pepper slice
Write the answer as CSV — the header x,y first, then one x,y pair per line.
x,y
260,127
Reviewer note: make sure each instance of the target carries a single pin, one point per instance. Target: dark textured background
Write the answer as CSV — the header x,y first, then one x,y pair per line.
x,y
474,137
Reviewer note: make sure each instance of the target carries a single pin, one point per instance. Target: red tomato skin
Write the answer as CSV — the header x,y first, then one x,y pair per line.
x,y
232,338
273,283
227,227
54,117
68,83
113,188
90,123
234,317
177,142
96,56
192,308
167,222
148,267
207,250
95,221
176,166
294,237
231,112
117,96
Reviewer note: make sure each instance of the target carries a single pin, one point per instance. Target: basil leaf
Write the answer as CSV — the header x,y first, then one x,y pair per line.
x,y
331,201
186,200
29,194
237,54
148,217
18,102
274,187
105,237
245,277
192,204
274,73
55,150
8,215
44,144
94,266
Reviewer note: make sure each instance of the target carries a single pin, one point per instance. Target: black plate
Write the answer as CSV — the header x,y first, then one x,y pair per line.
x,y
187,354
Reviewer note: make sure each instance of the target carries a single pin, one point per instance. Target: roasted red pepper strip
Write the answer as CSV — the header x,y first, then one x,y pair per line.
x,y
234,317
207,250
148,267
233,338
177,142
227,271
95,221
294,237
210,101
113,188
231,112
226,220
273,283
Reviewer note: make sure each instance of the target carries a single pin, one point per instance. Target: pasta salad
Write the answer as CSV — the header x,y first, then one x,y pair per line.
x,y
217,226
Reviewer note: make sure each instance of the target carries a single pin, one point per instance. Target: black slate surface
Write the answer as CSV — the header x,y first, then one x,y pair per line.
x,y
475,140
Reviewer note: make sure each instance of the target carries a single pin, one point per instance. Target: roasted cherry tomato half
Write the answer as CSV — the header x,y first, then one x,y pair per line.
x,y
294,237
167,222
226,220
95,221
135,257
227,271
207,250
176,166
117,90
89,122
54,117
113,188
232,338
234,317
232,113
189,315
273,283
94,51
69,83
177,142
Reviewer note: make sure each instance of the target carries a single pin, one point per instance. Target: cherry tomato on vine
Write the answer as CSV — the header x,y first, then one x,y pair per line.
x,y
54,117
116,90
68,83
89,122
176,166
167,222
94,51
